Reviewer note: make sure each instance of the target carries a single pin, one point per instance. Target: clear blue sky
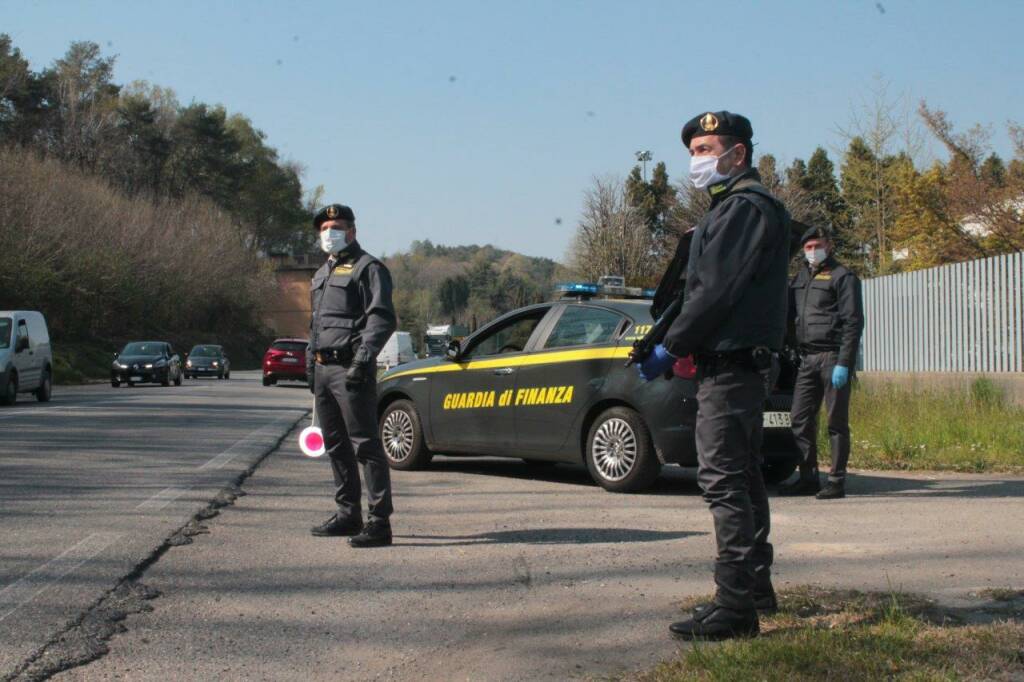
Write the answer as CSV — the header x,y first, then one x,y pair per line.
x,y
545,94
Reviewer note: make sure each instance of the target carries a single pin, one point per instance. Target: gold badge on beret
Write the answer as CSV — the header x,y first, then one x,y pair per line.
x,y
332,211
708,122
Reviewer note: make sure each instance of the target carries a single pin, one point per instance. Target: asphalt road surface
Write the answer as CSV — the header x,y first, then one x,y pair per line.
x,y
499,571
94,482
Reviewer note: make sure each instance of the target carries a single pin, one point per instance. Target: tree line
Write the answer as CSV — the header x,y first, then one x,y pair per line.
x,y
888,211
124,212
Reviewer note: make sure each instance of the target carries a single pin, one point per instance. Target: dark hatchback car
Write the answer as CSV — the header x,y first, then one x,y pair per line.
x,y
146,362
285,360
548,383
207,361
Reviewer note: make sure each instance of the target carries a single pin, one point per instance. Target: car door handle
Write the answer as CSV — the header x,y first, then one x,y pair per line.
x,y
504,371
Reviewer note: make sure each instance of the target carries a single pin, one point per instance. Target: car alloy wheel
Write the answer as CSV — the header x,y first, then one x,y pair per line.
x,y
402,436
619,453
398,434
615,449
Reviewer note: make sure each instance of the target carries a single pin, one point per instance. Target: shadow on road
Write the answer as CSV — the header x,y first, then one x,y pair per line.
x,y
877,484
547,536
672,481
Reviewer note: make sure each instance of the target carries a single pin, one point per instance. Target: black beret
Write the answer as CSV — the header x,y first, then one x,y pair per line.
x,y
717,123
333,212
815,233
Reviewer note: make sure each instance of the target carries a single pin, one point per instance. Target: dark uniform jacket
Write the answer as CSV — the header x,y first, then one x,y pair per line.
x,y
735,295
825,310
352,309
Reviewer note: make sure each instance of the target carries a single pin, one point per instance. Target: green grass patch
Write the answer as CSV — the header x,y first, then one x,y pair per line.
x,y
972,430
845,635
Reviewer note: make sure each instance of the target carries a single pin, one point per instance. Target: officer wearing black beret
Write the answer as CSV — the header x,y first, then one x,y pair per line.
x,y
732,319
826,318
353,316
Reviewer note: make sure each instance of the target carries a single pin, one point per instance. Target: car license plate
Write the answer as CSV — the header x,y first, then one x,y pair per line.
x,y
290,361
136,379
777,420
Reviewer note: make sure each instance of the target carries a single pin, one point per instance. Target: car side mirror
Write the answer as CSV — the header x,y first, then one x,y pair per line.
x,y
22,344
453,351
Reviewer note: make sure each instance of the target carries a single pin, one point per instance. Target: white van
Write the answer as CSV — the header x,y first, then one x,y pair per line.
x,y
26,362
396,351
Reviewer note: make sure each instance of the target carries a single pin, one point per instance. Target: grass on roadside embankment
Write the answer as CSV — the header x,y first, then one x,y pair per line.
x,y
844,635
975,430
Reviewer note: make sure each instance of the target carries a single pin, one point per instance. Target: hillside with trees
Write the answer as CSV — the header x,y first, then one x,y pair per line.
x,y
465,284
126,214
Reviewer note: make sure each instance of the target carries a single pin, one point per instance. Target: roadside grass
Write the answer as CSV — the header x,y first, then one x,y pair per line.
x,y
77,363
846,635
971,430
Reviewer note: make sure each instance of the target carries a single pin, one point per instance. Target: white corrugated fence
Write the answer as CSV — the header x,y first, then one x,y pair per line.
x,y
965,317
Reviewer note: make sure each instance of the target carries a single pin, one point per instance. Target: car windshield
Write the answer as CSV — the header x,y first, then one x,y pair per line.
x,y
147,348
5,332
294,346
205,352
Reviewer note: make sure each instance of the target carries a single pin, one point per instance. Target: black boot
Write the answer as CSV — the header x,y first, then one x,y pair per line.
x,y
833,490
718,623
338,526
807,484
376,534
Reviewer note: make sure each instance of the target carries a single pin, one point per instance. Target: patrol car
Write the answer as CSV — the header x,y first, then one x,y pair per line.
x,y
548,383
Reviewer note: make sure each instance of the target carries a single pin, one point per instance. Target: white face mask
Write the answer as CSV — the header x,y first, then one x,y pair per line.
x,y
704,170
815,257
332,240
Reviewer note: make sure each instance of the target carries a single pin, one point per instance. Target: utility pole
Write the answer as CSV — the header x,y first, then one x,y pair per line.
x,y
643,157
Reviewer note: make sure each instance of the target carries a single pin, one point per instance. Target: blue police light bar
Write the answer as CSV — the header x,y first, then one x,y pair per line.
x,y
648,293
577,288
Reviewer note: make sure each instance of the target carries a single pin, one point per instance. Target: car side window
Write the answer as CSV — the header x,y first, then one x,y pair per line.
x,y
583,326
511,337
22,329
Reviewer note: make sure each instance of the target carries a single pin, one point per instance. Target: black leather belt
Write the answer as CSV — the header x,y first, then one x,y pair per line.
x,y
754,359
334,356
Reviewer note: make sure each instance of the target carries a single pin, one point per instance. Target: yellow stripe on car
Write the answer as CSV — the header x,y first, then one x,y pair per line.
x,y
541,358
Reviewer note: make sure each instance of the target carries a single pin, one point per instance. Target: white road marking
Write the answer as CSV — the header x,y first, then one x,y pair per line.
x,y
162,499
22,591
257,440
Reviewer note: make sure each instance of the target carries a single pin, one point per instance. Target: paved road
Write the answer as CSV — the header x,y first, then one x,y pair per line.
x,y
94,482
503,572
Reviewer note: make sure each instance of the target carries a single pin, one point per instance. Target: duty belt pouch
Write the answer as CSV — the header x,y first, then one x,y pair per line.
x,y
761,357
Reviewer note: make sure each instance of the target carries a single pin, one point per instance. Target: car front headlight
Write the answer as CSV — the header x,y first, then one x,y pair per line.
x,y
188,363
214,363
149,366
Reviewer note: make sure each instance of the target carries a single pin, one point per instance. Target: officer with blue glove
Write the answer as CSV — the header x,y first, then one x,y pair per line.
x,y
826,319
657,364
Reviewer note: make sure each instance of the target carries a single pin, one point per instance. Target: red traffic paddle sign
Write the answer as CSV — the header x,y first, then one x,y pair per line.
x,y
311,441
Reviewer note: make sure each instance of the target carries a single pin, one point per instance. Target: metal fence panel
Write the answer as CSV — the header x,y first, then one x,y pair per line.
x,y
963,317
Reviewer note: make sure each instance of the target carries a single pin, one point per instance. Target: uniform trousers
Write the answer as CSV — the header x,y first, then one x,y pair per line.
x,y
348,419
729,431
813,383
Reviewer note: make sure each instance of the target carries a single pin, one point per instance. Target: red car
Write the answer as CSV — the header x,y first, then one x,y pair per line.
x,y
285,359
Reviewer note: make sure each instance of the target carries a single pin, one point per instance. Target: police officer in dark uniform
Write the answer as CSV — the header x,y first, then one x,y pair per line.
x,y
733,318
353,316
826,319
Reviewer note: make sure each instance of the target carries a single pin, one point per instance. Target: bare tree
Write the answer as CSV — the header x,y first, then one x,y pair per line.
x,y
612,237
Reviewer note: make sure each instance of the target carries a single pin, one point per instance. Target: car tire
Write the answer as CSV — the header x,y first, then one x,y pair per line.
x,y
177,379
619,454
45,390
401,432
268,382
10,395
776,471
227,375
115,384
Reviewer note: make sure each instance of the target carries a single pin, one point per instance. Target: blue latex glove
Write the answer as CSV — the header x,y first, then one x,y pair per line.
x,y
840,375
656,364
